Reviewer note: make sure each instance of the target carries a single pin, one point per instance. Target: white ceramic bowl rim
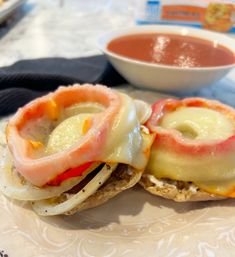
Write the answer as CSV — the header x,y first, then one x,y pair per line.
x,y
220,38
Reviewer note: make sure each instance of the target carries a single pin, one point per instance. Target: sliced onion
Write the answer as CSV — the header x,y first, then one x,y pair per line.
x,y
14,186
83,107
55,206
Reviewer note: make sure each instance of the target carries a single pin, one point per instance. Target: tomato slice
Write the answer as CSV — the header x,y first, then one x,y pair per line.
x,y
74,172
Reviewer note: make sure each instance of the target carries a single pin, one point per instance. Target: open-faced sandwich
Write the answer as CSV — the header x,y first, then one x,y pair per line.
x,y
193,155
75,148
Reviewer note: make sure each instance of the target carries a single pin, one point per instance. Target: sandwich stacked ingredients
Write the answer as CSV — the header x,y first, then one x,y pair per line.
x,y
192,157
75,148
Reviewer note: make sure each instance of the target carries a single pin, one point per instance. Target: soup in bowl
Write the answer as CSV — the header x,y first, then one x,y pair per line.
x,y
169,58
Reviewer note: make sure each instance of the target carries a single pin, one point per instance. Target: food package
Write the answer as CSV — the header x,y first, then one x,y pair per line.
x,y
208,14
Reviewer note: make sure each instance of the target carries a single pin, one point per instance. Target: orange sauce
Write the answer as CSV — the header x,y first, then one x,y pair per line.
x,y
171,49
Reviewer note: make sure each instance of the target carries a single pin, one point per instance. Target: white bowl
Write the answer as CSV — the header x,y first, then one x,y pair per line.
x,y
165,77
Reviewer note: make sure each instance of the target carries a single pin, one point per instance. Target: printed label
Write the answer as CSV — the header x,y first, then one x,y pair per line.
x,y
213,15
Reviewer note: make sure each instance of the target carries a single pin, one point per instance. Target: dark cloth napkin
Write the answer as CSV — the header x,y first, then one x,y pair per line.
x,y
28,79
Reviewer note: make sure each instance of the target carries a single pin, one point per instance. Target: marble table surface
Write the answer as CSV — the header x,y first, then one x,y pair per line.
x,y
70,28
67,28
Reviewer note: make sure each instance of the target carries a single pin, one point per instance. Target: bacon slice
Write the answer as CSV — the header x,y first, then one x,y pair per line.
x,y
173,138
40,171
111,135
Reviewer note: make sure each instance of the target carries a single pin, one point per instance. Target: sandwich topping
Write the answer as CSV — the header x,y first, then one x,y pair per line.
x,y
195,142
64,147
57,140
198,123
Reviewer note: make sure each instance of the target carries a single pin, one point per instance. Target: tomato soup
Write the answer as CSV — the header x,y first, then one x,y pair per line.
x,y
171,49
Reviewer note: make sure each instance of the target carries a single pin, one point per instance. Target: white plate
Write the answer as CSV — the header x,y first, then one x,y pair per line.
x,y
8,7
135,223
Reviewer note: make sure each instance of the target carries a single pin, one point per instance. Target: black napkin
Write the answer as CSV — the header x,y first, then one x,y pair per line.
x,y
28,79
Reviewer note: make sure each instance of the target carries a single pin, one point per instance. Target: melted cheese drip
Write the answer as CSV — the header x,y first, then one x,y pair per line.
x,y
212,173
199,123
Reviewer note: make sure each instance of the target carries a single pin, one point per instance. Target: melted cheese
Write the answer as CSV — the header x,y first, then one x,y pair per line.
x,y
67,133
214,173
199,123
125,143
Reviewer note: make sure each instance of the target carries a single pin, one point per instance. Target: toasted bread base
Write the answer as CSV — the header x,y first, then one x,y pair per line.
x,y
122,178
176,190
